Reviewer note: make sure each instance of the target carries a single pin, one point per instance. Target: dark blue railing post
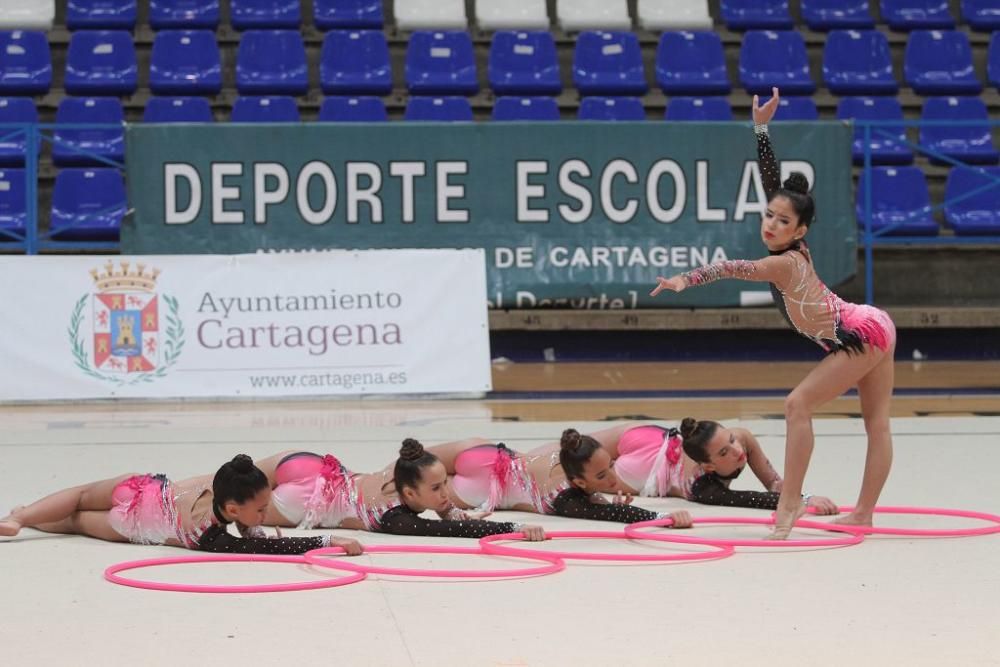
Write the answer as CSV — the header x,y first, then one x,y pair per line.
x,y
31,187
868,239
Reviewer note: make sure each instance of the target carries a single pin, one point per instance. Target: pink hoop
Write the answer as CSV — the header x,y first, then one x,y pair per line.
x,y
925,532
856,536
314,557
111,574
488,547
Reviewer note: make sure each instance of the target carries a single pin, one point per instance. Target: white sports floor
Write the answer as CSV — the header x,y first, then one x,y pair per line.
x,y
888,601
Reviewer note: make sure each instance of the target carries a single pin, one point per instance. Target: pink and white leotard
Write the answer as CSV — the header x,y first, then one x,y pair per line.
x,y
651,461
492,477
145,512
318,491
803,299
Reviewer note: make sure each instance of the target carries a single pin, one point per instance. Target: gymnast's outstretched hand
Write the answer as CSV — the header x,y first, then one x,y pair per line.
x,y
675,284
762,115
533,533
823,505
350,547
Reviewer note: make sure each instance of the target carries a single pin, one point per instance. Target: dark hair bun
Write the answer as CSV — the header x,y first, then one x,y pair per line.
x,y
242,464
411,450
570,440
688,426
797,182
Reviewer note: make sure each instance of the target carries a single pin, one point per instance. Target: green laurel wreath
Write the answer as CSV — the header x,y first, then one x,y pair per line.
x,y
172,348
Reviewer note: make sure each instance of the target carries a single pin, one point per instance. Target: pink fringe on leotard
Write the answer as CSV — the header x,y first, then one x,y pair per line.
x,y
510,471
330,491
874,326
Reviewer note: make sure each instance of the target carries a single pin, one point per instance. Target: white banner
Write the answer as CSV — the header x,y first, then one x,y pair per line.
x,y
287,324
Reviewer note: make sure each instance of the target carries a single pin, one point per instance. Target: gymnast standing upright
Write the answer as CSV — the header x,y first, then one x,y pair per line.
x,y
860,340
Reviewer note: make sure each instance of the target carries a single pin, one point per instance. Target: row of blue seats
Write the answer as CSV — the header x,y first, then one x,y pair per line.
x,y
824,15
273,62
736,14
962,141
88,204
244,14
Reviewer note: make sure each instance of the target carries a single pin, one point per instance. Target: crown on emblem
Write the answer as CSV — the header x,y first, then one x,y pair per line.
x,y
125,280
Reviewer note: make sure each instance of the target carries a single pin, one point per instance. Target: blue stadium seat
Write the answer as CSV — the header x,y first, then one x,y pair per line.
x,y
769,58
884,150
352,110
441,63
185,62
858,62
13,149
983,15
796,108
524,63
940,63
266,109
526,108
101,14
699,108
69,145
993,60
177,110
979,213
13,204
609,63
611,108
447,109
183,14
355,61
691,63
968,143
265,14
348,14
101,62
917,14
756,14
272,62
899,195
825,15
88,205
25,65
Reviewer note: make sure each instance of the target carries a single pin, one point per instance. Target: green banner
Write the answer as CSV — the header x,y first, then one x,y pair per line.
x,y
572,215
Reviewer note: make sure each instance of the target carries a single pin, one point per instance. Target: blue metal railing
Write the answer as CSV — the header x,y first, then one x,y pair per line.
x,y
32,240
870,238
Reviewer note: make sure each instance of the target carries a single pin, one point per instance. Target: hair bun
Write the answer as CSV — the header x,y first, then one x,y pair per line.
x,y
570,440
797,182
411,450
242,464
688,426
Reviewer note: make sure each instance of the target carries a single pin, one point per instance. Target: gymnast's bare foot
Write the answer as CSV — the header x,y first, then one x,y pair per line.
x,y
855,518
9,526
784,520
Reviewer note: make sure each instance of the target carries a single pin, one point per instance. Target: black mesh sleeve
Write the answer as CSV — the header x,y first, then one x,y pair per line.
x,y
576,504
401,520
218,540
769,172
710,490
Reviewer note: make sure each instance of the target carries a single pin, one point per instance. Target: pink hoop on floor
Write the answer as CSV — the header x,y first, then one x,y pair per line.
x,y
315,557
925,532
111,574
855,536
487,545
